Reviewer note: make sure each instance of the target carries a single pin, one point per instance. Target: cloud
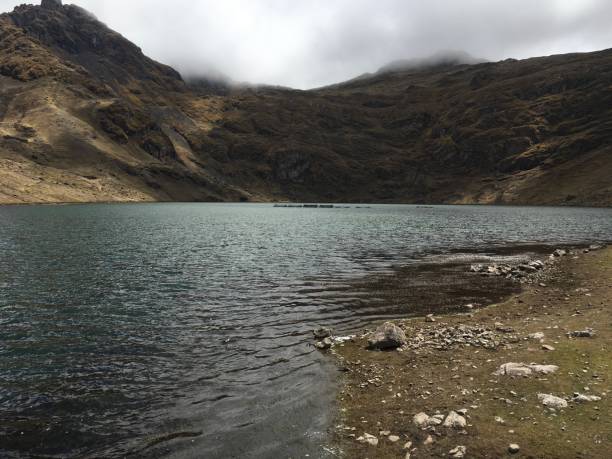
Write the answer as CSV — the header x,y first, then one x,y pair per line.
x,y
311,43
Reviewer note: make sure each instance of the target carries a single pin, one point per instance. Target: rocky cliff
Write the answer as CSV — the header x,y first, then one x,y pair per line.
x,y
86,116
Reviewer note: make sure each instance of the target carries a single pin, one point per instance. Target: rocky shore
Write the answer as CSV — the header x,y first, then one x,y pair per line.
x,y
526,377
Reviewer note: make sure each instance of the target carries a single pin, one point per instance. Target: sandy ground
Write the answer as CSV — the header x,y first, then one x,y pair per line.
x,y
383,391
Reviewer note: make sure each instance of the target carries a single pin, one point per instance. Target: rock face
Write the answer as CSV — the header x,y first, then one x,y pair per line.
x,y
388,336
50,4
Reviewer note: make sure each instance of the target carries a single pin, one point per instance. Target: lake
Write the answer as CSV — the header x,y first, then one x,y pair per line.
x,y
184,330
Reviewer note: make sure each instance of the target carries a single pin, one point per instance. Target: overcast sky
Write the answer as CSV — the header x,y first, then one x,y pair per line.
x,y
309,43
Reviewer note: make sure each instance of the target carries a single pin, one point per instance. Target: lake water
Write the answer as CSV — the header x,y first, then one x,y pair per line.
x,y
183,330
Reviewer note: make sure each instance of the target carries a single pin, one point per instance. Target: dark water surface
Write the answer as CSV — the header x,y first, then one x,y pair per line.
x,y
184,329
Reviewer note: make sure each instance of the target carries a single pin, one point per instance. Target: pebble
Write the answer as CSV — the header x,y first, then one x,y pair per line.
x,y
368,439
458,453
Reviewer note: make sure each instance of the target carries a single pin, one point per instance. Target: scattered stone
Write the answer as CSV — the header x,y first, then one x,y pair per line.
x,y
560,253
514,448
521,369
595,247
430,318
547,347
436,420
387,336
500,420
429,440
503,329
588,333
321,333
368,439
394,438
551,401
458,453
455,421
408,445
443,338
580,398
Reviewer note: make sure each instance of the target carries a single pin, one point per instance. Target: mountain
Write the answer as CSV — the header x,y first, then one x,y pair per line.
x,y
86,116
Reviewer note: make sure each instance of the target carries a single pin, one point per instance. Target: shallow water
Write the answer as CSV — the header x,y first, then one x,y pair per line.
x,y
184,329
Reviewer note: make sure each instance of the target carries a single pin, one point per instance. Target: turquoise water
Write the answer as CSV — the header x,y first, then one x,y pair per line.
x,y
123,326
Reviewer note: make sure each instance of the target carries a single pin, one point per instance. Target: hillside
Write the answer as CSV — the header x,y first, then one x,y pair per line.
x,y
86,116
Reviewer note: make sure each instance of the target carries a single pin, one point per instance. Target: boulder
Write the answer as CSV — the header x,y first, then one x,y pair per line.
x,y
521,369
322,333
388,336
552,401
588,333
455,421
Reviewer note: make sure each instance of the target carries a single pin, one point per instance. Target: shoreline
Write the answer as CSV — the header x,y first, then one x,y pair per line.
x,y
438,373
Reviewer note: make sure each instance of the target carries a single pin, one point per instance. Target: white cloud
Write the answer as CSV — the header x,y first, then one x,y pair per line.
x,y
309,43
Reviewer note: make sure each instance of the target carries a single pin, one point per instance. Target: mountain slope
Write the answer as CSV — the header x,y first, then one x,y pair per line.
x,y
85,116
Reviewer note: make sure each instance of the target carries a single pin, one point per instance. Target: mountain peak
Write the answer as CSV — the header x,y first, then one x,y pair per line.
x,y
51,4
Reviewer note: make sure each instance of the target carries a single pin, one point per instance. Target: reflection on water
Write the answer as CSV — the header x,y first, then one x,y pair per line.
x,y
183,329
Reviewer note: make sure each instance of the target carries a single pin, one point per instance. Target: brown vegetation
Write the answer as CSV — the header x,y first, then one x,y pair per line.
x,y
515,132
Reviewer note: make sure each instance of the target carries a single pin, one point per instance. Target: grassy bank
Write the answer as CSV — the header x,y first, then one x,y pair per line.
x,y
384,390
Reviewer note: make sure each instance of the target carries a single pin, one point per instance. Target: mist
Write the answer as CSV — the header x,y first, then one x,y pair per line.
x,y
318,42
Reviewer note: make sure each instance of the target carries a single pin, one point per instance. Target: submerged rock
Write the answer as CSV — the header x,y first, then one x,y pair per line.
x,y
521,369
388,336
324,345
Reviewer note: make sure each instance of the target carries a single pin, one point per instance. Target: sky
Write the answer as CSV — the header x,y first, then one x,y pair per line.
x,y
310,43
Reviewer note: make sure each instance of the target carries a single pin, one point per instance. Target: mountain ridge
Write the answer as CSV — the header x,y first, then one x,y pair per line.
x,y
86,116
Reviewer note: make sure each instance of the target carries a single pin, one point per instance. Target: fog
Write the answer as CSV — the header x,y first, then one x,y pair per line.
x,y
309,43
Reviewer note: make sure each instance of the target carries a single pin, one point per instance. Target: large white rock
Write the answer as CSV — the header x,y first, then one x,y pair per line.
x,y
455,421
522,369
552,401
368,439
